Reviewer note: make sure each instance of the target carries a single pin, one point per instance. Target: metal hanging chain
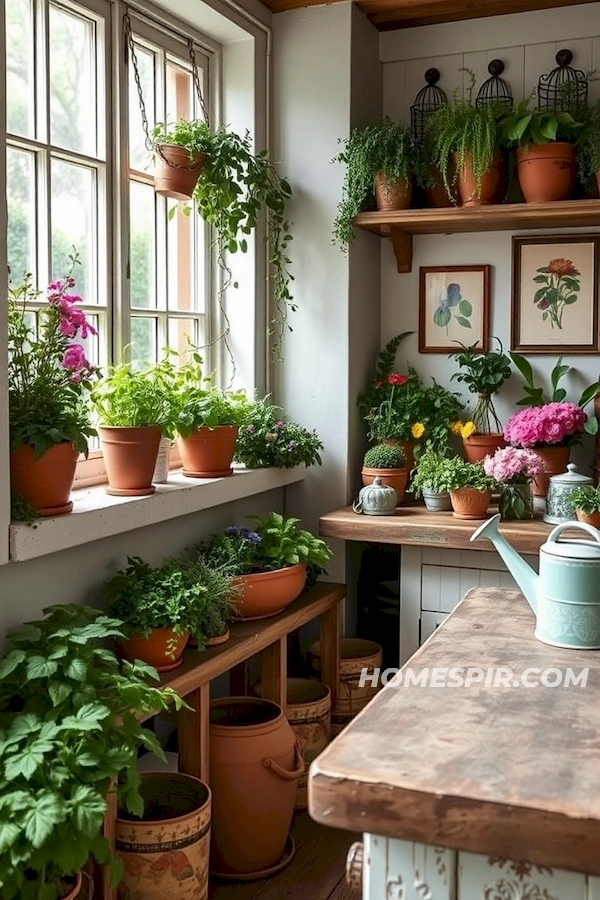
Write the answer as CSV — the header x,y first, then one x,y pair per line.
x,y
196,78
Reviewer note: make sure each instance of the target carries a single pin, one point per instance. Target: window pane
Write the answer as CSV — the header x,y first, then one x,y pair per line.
x,y
20,199
19,68
72,82
142,245
139,155
181,333
179,93
143,339
73,221
180,259
92,343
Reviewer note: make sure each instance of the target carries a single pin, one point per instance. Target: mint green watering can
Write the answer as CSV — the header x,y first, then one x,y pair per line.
x,y
565,596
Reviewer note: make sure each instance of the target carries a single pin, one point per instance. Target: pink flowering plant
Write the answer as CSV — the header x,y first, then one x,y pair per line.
x,y
512,465
553,424
49,374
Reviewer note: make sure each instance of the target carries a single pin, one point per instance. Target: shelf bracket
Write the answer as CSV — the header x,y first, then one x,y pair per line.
x,y
402,245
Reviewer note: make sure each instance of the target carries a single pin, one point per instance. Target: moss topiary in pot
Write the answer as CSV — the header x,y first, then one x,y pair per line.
x,y
389,463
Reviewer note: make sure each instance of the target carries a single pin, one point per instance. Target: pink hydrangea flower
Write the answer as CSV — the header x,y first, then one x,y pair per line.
x,y
538,426
512,465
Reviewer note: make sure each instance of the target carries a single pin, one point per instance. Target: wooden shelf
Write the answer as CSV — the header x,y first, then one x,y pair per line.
x,y
400,226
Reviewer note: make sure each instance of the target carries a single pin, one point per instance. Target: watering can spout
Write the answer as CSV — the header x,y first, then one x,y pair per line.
x,y
521,571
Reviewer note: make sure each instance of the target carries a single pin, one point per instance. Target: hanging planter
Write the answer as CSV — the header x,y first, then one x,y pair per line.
x,y
45,482
176,170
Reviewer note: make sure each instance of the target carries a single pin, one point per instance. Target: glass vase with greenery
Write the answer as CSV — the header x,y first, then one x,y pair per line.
x,y
268,438
385,147
70,733
483,373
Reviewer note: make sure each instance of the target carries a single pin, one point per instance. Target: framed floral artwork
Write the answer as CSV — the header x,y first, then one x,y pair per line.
x,y
454,307
555,294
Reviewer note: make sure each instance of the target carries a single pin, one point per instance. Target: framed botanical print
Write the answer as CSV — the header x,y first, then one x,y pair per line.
x,y
555,294
454,307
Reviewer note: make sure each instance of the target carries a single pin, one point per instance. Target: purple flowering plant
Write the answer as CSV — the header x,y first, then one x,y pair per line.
x,y
268,439
511,465
553,424
49,374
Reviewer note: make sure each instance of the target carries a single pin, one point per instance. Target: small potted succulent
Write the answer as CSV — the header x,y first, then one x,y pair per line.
x,y
586,503
268,439
470,488
269,564
387,462
428,481
513,470
483,373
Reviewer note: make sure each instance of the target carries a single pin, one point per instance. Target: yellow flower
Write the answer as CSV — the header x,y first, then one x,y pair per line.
x,y
468,429
417,429
456,427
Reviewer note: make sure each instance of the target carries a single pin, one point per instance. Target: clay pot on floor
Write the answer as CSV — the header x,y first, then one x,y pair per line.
x,y
264,594
45,482
396,478
555,461
165,853
356,654
547,172
589,519
208,452
309,713
478,446
469,503
492,182
390,195
175,173
255,764
130,457
162,649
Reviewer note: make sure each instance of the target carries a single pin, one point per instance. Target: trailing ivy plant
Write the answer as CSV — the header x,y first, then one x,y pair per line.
x,y
384,147
69,734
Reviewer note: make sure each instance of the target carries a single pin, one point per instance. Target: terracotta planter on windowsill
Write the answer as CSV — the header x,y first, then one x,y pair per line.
x,y
45,482
208,452
130,457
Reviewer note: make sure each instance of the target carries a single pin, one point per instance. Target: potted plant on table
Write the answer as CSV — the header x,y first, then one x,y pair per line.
x,y
469,486
268,439
513,469
380,160
388,463
586,503
269,564
483,373
70,734
49,377
429,481
545,151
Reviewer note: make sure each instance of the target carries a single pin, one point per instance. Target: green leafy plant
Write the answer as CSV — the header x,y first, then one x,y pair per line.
x,y
587,499
536,395
454,473
440,411
267,438
185,595
384,456
484,374
430,473
522,126
69,734
588,144
372,395
469,131
21,510
385,147
195,135
131,397
197,402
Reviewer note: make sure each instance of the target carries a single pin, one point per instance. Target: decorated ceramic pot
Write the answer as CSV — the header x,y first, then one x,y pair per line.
x,y
376,499
559,507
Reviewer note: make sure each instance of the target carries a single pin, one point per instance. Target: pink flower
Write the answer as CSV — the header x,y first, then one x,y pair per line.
x,y
553,423
74,358
512,465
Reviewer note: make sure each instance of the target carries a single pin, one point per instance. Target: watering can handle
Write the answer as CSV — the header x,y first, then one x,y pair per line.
x,y
564,525
299,769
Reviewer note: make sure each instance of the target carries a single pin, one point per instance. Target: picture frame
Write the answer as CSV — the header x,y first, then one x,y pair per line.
x,y
454,308
554,305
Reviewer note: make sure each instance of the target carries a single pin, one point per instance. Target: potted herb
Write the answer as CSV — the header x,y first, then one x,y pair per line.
x,y
48,380
465,144
269,564
469,487
429,481
483,373
70,734
546,154
180,153
586,503
513,469
268,439
134,407
388,463
162,606
588,146
379,159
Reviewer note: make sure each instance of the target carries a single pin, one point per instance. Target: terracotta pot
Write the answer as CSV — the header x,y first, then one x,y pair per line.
x,y
74,892
437,195
308,711
130,457
492,183
162,649
392,195
175,174
396,478
469,503
45,482
255,764
546,172
165,853
407,447
478,446
555,461
356,654
208,452
264,594
591,519
219,639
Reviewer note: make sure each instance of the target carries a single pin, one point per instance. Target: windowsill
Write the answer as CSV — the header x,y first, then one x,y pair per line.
x,y
97,515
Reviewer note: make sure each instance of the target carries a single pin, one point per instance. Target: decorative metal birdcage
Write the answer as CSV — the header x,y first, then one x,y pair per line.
x,y
494,91
564,89
426,102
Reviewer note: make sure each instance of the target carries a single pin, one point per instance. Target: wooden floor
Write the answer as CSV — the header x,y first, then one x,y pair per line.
x,y
315,873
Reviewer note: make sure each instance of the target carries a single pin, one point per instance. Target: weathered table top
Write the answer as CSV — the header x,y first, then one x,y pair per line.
x,y
506,771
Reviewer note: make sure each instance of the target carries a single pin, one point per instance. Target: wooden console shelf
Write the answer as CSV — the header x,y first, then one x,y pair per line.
x,y
400,226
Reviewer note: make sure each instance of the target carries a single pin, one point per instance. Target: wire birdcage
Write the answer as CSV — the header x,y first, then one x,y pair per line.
x,y
564,89
494,90
427,101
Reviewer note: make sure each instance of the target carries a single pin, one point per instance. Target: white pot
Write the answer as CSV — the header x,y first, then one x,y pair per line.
x,y
435,501
161,469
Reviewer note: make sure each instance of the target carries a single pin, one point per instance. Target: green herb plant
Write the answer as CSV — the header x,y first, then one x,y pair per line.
x,y
69,734
198,402
536,395
455,473
430,473
483,374
384,456
131,397
587,499
268,439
